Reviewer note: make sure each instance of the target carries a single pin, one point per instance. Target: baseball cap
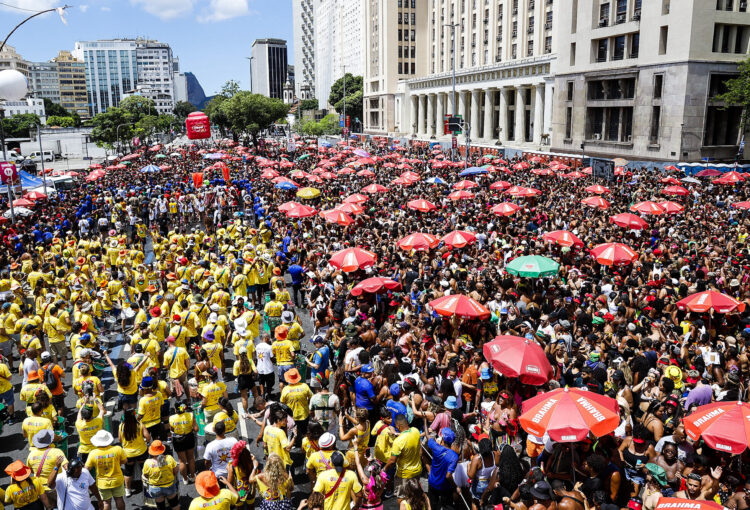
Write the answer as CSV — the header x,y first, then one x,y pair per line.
x,y
448,435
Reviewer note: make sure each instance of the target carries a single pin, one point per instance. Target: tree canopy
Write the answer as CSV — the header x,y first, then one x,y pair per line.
x,y
21,125
60,121
353,95
328,125
738,92
136,116
182,109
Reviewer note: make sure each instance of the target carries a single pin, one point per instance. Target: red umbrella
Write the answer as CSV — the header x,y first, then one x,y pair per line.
x,y
95,166
505,209
669,180
597,189
722,425
523,192
574,175
301,211
421,205
351,259
269,174
614,254
375,285
357,198
671,207
345,171
675,190
336,216
374,188
741,205
366,173
542,171
23,202
629,221
520,358
647,207
465,185
458,304
419,242
461,195
597,202
458,238
366,161
709,300
350,208
288,206
569,414
563,238
686,504
500,185
708,172
34,195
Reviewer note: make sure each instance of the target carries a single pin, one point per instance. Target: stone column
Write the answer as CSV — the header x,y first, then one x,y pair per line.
x,y
489,115
548,98
503,116
430,115
449,109
439,115
538,112
475,114
413,119
421,116
461,103
520,115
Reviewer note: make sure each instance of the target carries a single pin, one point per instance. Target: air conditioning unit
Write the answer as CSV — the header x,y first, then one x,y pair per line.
x,y
603,22
637,16
515,11
499,37
548,26
530,30
597,136
514,34
621,18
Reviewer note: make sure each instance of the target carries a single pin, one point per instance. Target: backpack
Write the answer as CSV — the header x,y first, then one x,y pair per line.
x,y
49,377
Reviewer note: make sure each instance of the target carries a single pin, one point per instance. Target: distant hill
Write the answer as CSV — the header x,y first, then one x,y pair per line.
x,y
195,94
204,103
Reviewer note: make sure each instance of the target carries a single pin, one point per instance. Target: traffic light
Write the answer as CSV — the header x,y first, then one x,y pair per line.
x,y
455,124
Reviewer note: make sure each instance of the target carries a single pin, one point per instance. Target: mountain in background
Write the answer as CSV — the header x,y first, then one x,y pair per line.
x,y
195,94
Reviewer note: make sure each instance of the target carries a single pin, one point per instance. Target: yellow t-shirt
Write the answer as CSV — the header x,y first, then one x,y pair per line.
x,y
222,501
133,447
5,384
230,422
283,350
176,359
297,397
35,458
159,476
341,497
213,392
34,424
24,493
407,451
321,461
86,430
182,423
149,407
276,441
383,442
107,462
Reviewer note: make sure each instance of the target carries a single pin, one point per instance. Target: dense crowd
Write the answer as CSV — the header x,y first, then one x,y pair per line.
x,y
404,385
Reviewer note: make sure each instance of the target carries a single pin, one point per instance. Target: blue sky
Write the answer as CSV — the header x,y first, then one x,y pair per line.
x,y
211,37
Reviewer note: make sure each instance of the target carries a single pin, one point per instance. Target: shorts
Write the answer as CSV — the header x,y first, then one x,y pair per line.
x,y
252,289
163,492
183,443
123,398
116,492
59,350
156,431
533,450
267,381
129,468
284,369
8,398
6,348
245,382
399,486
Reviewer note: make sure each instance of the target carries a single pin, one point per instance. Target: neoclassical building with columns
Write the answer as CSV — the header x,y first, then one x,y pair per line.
x,y
507,102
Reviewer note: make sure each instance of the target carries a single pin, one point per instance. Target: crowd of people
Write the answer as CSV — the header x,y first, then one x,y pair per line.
x,y
236,309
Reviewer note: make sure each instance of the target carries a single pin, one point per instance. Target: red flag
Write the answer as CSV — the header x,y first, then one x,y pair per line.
x,y
225,171
198,179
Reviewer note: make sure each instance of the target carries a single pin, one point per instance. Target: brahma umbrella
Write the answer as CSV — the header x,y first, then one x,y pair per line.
x,y
465,185
519,358
458,238
532,266
596,202
374,188
569,414
686,504
461,195
647,207
288,206
614,254
421,205
562,238
741,205
701,302
500,185
722,425
504,209
418,242
597,189
350,208
629,221
351,259
675,190
336,216
301,211
458,304
671,207
375,285
357,198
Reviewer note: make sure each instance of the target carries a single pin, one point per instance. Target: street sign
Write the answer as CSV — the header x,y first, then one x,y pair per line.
x,y
290,145
602,168
345,132
348,121
8,172
455,124
341,121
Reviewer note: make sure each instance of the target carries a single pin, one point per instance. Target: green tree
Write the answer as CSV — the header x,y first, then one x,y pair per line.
x,y
353,95
328,125
21,125
106,132
308,104
182,109
53,109
138,106
738,92
57,121
230,89
217,116
250,113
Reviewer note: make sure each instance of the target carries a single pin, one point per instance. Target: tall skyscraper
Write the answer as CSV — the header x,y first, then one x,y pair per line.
x,y
72,78
339,43
119,67
269,63
44,81
304,44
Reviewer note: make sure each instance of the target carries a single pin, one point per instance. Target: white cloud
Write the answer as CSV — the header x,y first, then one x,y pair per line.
x,y
104,8
220,10
30,5
166,9
83,7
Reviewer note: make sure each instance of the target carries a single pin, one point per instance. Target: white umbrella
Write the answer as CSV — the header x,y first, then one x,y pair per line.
x,y
111,158
176,155
19,211
690,180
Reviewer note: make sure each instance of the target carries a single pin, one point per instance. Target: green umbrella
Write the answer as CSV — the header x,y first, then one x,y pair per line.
x,y
533,266
160,156
304,156
126,163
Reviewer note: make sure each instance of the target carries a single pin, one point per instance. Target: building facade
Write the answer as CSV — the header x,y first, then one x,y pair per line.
x,y
117,67
637,78
44,81
10,59
269,67
397,41
339,43
72,79
304,44
504,66
29,105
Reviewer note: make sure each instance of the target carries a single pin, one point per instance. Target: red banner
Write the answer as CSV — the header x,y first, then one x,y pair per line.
x,y
198,179
225,171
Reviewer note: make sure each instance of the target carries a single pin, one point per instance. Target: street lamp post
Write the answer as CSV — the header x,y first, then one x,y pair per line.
x,y
453,77
250,59
5,158
41,151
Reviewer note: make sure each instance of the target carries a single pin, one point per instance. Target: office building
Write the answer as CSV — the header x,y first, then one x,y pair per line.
x,y
9,59
72,80
27,105
304,44
339,43
638,78
44,81
269,67
118,67
397,41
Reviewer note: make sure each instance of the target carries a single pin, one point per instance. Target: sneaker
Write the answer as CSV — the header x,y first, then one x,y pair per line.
x,y
128,492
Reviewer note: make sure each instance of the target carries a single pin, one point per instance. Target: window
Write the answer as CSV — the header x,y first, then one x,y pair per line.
x,y
572,54
513,51
399,52
413,18
530,49
664,7
399,34
413,51
569,91
635,42
603,14
548,44
653,136
663,35
601,50
413,35
619,49
400,20
569,122
413,68
400,68
658,85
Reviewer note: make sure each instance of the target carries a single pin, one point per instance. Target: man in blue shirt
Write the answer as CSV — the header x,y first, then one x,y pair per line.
x,y
365,391
320,359
393,404
444,460
296,272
